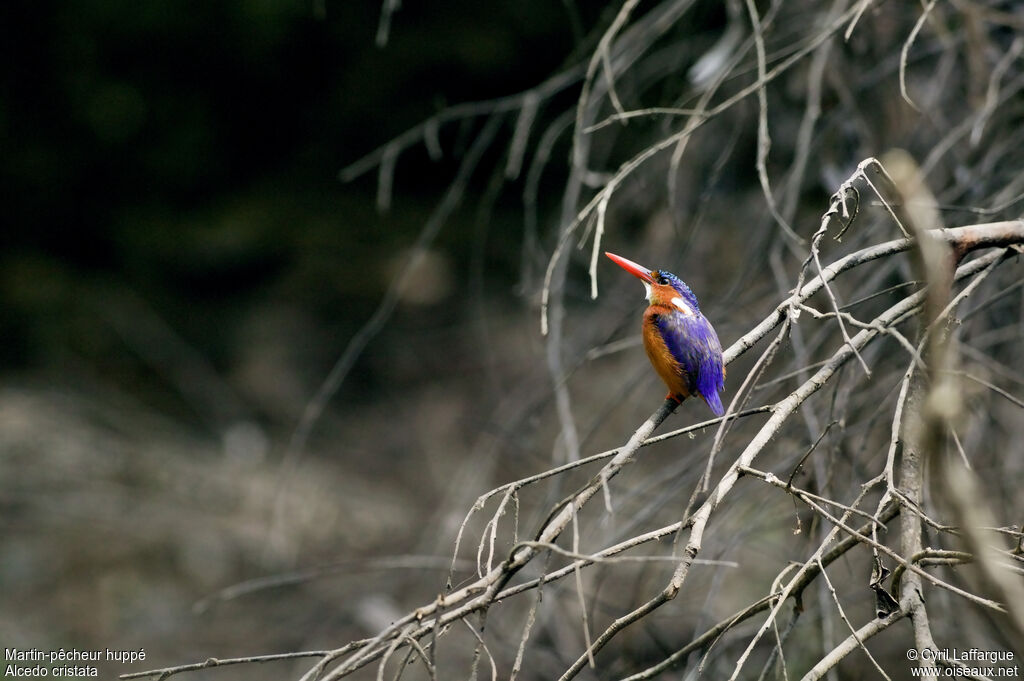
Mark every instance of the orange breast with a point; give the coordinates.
(661, 358)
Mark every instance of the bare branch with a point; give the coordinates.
(851, 643)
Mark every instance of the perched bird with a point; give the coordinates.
(680, 342)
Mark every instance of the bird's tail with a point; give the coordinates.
(715, 403)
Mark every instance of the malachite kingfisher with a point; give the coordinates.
(680, 342)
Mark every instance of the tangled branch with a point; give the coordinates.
(845, 449)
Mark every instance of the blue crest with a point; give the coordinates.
(679, 285)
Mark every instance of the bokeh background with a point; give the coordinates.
(181, 267)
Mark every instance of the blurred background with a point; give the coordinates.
(182, 266)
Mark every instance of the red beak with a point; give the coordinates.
(636, 270)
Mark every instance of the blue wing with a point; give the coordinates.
(694, 344)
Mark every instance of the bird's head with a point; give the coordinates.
(663, 288)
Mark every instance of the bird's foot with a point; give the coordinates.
(678, 399)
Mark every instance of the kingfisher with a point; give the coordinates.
(680, 342)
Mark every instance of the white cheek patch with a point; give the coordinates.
(647, 290)
(681, 304)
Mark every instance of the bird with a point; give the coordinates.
(680, 342)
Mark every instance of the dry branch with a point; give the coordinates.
(808, 312)
(481, 594)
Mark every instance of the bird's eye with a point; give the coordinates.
(662, 279)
